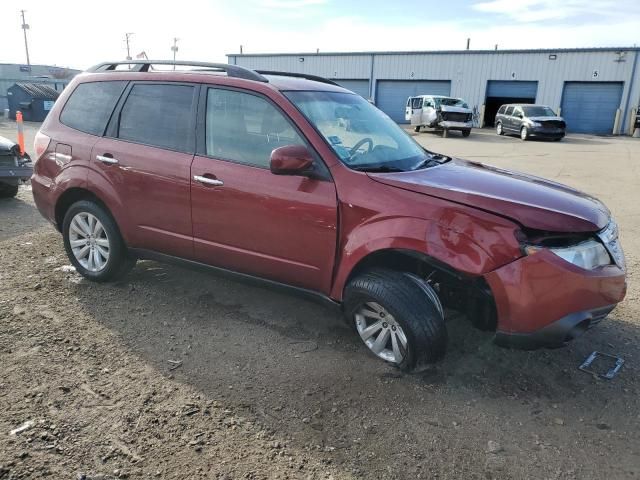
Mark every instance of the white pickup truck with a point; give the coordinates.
(439, 112)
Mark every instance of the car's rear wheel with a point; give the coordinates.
(499, 129)
(557, 139)
(8, 191)
(398, 317)
(524, 133)
(466, 133)
(416, 129)
(445, 133)
(94, 244)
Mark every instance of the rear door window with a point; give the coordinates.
(159, 115)
(90, 106)
(509, 111)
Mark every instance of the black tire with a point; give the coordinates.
(8, 191)
(120, 261)
(414, 306)
(466, 133)
(499, 128)
(557, 139)
(524, 134)
(416, 129)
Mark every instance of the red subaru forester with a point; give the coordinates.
(296, 181)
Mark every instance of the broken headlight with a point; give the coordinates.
(585, 251)
(589, 254)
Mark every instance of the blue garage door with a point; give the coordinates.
(591, 107)
(512, 89)
(391, 95)
(361, 87)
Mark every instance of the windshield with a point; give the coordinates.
(362, 136)
(451, 102)
(538, 112)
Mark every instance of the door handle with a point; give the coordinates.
(207, 180)
(105, 159)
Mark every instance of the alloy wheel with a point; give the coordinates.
(89, 241)
(381, 332)
(524, 133)
(499, 129)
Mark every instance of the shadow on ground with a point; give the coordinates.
(300, 370)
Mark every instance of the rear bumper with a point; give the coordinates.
(15, 174)
(43, 196)
(544, 301)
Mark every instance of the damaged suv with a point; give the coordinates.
(441, 113)
(259, 175)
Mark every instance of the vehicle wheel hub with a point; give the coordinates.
(89, 241)
(385, 338)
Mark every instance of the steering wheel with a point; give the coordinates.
(357, 146)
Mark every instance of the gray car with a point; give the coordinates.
(14, 168)
(528, 121)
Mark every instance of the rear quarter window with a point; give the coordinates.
(509, 111)
(90, 105)
(502, 109)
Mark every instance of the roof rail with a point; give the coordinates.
(235, 71)
(315, 78)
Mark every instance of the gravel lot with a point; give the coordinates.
(176, 374)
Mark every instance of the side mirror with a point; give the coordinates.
(291, 160)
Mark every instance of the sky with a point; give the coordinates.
(78, 34)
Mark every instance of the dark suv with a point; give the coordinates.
(530, 121)
(259, 174)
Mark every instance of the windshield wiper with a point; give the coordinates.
(378, 169)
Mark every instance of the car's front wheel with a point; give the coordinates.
(466, 133)
(398, 317)
(524, 133)
(94, 244)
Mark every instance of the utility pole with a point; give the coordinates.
(127, 36)
(25, 27)
(174, 49)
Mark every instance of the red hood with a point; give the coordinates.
(531, 201)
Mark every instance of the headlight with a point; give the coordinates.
(534, 124)
(589, 254)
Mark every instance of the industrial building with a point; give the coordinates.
(11, 73)
(596, 90)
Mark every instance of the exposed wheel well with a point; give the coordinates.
(70, 197)
(470, 295)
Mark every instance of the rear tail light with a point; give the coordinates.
(40, 144)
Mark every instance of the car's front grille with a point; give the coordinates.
(553, 124)
(456, 116)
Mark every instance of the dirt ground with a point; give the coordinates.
(176, 374)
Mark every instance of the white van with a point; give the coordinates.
(439, 112)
